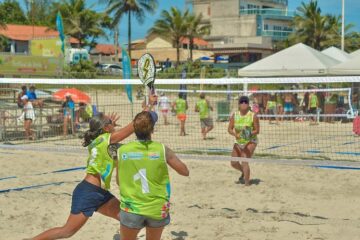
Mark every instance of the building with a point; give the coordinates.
(20, 37)
(244, 30)
(164, 50)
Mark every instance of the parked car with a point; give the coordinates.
(112, 69)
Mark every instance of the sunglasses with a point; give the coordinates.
(108, 122)
(244, 102)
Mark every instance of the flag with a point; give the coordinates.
(60, 28)
(126, 62)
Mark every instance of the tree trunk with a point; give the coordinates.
(177, 52)
(116, 42)
(191, 42)
(129, 35)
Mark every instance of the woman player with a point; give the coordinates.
(89, 195)
(144, 181)
(246, 125)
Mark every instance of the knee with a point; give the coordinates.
(234, 164)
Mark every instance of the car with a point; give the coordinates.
(112, 69)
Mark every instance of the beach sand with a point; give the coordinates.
(289, 202)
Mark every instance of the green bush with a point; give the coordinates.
(83, 69)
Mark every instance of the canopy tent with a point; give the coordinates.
(355, 53)
(297, 60)
(350, 67)
(337, 54)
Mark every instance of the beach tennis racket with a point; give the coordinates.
(147, 71)
(246, 133)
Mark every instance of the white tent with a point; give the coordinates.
(355, 53)
(350, 67)
(297, 60)
(337, 54)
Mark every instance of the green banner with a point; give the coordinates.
(30, 65)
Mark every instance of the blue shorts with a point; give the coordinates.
(288, 107)
(135, 221)
(88, 198)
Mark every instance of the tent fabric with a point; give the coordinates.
(350, 67)
(355, 53)
(297, 60)
(337, 54)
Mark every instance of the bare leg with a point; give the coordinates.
(182, 128)
(128, 233)
(208, 129)
(154, 233)
(73, 224)
(236, 153)
(65, 125)
(247, 153)
(203, 133)
(111, 209)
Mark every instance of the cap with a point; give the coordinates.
(25, 97)
(243, 99)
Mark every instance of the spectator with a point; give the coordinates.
(33, 98)
(164, 106)
(271, 109)
(69, 114)
(313, 106)
(29, 117)
(330, 105)
(85, 113)
(22, 93)
(289, 103)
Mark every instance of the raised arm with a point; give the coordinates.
(175, 163)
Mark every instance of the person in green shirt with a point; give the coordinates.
(92, 194)
(313, 106)
(271, 109)
(180, 106)
(244, 125)
(144, 181)
(203, 107)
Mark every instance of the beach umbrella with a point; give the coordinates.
(76, 95)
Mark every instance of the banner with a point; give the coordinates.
(126, 63)
(60, 28)
(46, 47)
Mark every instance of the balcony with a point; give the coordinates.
(269, 12)
(276, 34)
(283, 2)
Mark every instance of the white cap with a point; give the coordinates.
(24, 97)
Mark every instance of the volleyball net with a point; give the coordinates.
(299, 120)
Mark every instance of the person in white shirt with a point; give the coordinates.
(29, 117)
(164, 106)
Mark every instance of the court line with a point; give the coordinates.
(337, 167)
(36, 186)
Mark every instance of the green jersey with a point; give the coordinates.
(99, 160)
(271, 104)
(203, 108)
(313, 101)
(244, 125)
(144, 179)
(180, 106)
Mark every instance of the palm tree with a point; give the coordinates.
(172, 25)
(196, 29)
(80, 22)
(314, 29)
(138, 8)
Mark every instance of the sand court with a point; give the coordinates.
(286, 202)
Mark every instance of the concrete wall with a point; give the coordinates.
(158, 43)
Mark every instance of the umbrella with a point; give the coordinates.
(76, 95)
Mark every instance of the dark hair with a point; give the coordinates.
(202, 95)
(96, 125)
(23, 87)
(143, 125)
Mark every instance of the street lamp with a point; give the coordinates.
(343, 26)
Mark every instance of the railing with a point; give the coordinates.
(277, 34)
(284, 2)
(268, 12)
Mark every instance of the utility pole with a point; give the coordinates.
(343, 26)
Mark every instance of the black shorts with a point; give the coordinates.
(313, 110)
(88, 198)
